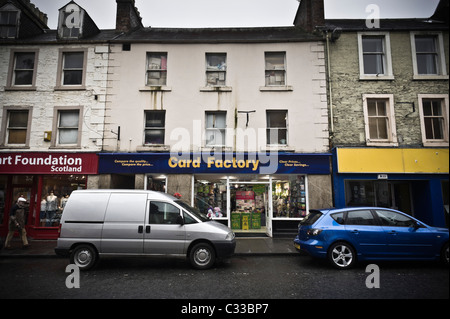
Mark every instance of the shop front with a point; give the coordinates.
(253, 194)
(46, 181)
(414, 181)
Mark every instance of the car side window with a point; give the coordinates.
(338, 217)
(394, 219)
(360, 217)
(163, 213)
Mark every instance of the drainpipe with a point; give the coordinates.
(330, 96)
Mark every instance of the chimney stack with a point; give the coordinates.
(310, 14)
(128, 16)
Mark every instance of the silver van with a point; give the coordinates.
(129, 223)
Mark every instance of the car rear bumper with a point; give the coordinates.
(312, 247)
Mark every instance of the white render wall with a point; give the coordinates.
(46, 98)
(186, 100)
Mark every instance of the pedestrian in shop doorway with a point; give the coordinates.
(17, 222)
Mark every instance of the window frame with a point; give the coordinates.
(56, 119)
(160, 70)
(209, 70)
(8, 8)
(222, 130)
(445, 111)
(441, 67)
(60, 74)
(286, 128)
(12, 70)
(390, 114)
(165, 221)
(267, 55)
(387, 57)
(5, 126)
(155, 128)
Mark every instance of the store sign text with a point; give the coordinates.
(212, 162)
(48, 163)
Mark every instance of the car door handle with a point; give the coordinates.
(392, 232)
(140, 229)
(147, 229)
(355, 231)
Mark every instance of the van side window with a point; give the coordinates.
(188, 219)
(163, 213)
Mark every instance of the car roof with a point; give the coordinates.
(151, 194)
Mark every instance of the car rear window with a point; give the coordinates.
(312, 217)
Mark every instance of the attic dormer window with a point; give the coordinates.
(70, 26)
(8, 24)
(70, 21)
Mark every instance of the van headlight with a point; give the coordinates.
(230, 236)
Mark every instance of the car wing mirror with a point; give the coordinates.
(180, 220)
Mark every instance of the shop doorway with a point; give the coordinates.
(250, 208)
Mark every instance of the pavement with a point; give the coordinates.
(256, 246)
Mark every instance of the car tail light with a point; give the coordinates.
(314, 232)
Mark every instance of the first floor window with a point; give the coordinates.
(24, 67)
(68, 126)
(434, 119)
(215, 128)
(379, 119)
(155, 122)
(17, 127)
(277, 128)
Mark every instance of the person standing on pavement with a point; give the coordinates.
(17, 222)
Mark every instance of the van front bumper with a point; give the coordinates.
(225, 249)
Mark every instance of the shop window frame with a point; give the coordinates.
(444, 101)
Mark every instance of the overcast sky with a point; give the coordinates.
(234, 13)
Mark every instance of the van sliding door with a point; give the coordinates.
(123, 227)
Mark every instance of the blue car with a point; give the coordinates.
(347, 235)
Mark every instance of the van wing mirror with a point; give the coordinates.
(180, 220)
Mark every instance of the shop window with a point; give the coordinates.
(375, 56)
(277, 132)
(155, 122)
(275, 68)
(215, 128)
(68, 127)
(434, 119)
(216, 69)
(380, 120)
(56, 191)
(157, 68)
(290, 197)
(17, 131)
(428, 55)
(210, 197)
(3, 184)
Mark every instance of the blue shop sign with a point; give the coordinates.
(205, 163)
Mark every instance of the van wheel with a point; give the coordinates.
(84, 256)
(202, 256)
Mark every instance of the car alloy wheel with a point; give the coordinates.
(342, 255)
